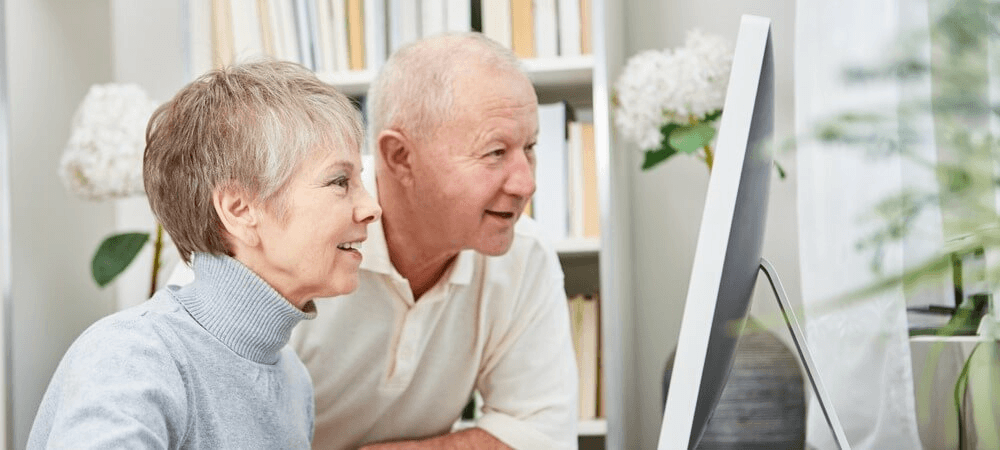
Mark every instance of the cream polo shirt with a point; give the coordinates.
(387, 368)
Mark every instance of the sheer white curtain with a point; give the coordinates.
(860, 347)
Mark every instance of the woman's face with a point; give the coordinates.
(313, 250)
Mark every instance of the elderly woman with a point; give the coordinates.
(253, 170)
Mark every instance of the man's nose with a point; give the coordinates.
(521, 181)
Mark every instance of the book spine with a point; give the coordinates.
(522, 28)
(496, 21)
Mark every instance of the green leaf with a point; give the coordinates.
(985, 376)
(690, 138)
(114, 254)
(654, 157)
(712, 116)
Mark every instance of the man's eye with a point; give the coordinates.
(497, 153)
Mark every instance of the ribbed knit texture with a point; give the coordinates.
(255, 324)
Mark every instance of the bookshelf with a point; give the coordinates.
(597, 264)
(545, 73)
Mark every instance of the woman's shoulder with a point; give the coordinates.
(143, 329)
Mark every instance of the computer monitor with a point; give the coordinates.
(728, 253)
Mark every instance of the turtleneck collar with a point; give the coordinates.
(239, 308)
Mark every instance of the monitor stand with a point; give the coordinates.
(798, 337)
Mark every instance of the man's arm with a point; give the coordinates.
(528, 377)
(471, 438)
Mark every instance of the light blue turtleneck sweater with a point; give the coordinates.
(204, 366)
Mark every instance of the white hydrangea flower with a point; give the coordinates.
(658, 87)
(103, 157)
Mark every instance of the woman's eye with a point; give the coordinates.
(339, 181)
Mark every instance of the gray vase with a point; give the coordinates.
(763, 403)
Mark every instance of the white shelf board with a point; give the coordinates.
(592, 427)
(543, 72)
(578, 246)
(561, 71)
(351, 84)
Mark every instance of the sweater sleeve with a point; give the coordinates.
(529, 379)
(118, 386)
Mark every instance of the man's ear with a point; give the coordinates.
(238, 215)
(397, 154)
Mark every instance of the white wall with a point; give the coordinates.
(5, 433)
(668, 199)
(147, 49)
(55, 50)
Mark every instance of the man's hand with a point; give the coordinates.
(472, 438)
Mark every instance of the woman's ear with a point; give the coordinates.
(397, 154)
(238, 215)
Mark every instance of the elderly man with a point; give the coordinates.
(455, 292)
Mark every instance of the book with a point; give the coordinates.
(591, 209)
(584, 326)
(458, 15)
(404, 23)
(341, 51)
(303, 32)
(282, 22)
(546, 29)
(522, 28)
(375, 23)
(574, 177)
(551, 193)
(246, 29)
(569, 27)
(496, 21)
(585, 26)
(223, 52)
(266, 26)
(432, 17)
(355, 35)
(325, 55)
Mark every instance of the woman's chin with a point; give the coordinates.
(343, 287)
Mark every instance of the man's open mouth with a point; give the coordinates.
(501, 214)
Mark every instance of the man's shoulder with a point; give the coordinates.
(530, 252)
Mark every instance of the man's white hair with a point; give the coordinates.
(413, 91)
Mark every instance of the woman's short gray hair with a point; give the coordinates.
(413, 90)
(248, 127)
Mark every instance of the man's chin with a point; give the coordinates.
(496, 246)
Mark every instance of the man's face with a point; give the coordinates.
(476, 173)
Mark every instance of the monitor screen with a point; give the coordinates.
(728, 252)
